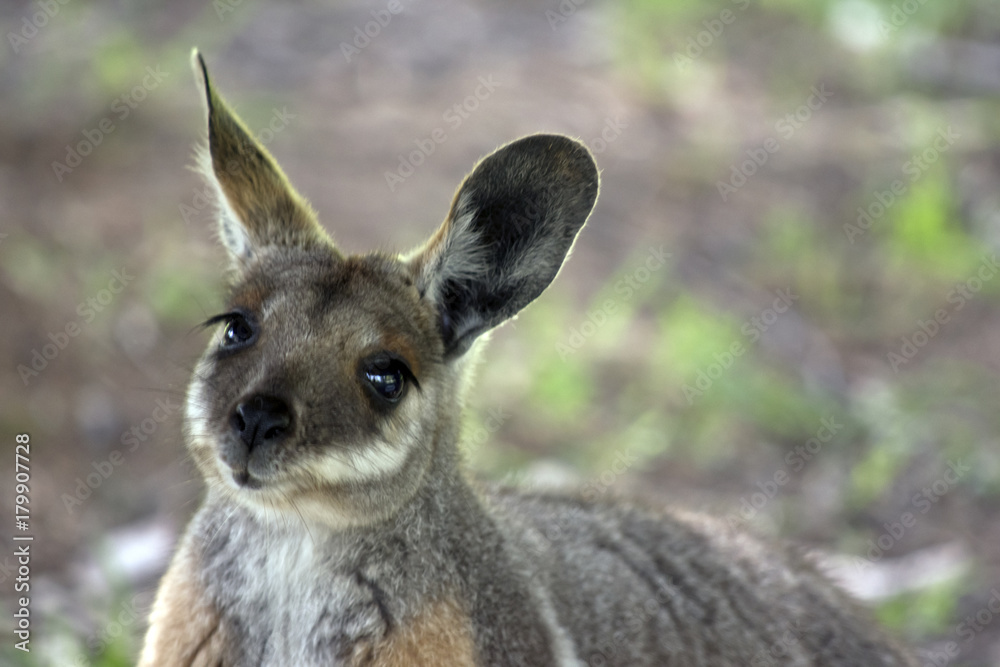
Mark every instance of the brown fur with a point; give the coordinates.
(254, 186)
(339, 526)
(185, 628)
(441, 634)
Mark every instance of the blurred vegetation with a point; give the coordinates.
(868, 295)
(656, 376)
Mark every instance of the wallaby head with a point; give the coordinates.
(330, 393)
(331, 386)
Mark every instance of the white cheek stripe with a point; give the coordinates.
(362, 461)
(373, 460)
(193, 407)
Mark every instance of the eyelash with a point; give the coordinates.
(230, 319)
(223, 317)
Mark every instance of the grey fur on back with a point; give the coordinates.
(339, 525)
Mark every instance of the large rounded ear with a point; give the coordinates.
(511, 225)
(257, 205)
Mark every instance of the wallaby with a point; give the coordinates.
(339, 526)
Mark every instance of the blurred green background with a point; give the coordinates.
(784, 309)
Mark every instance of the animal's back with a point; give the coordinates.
(339, 525)
(633, 586)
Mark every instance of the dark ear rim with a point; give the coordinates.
(512, 223)
(219, 113)
(258, 205)
(201, 74)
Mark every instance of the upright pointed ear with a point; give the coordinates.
(257, 205)
(511, 225)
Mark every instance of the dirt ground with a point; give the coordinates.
(817, 358)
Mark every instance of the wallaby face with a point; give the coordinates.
(330, 376)
(288, 418)
(338, 527)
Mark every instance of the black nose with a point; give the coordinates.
(260, 420)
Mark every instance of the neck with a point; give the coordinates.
(429, 486)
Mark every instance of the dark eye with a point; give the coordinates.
(387, 376)
(237, 332)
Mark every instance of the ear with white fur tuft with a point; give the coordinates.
(511, 225)
(259, 208)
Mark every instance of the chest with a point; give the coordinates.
(286, 598)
